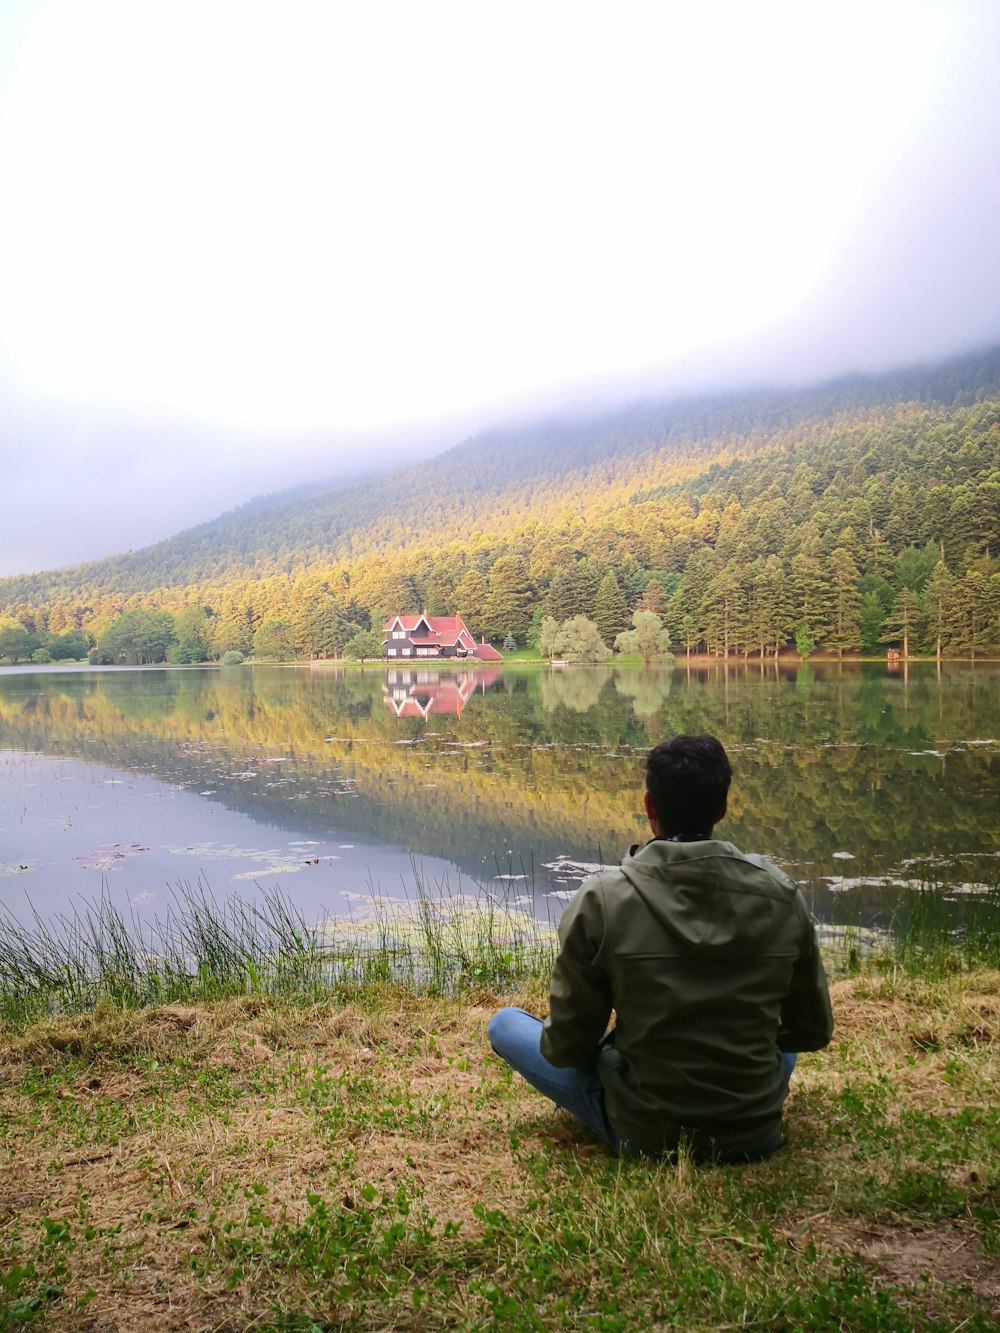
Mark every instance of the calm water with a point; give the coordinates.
(335, 785)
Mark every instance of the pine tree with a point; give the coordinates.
(811, 592)
(232, 630)
(610, 609)
(573, 590)
(686, 610)
(904, 619)
(914, 567)
(939, 596)
(724, 612)
(470, 600)
(685, 626)
(771, 620)
(972, 609)
(507, 609)
(439, 592)
(878, 562)
(845, 602)
(873, 621)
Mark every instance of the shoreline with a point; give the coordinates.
(680, 661)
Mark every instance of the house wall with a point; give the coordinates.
(405, 644)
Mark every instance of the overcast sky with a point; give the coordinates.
(245, 245)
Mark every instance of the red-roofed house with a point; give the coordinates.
(437, 637)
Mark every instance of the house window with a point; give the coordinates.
(399, 633)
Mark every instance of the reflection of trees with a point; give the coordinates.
(577, 690)
(879, 723)
(648, 689)
(550, 762)
(144, 696)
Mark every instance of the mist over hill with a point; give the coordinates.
(335, 520)
(832, 485)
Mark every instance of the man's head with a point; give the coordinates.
(687, 783)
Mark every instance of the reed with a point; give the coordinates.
(924, 928)
(434, 940)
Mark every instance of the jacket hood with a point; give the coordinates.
(720, 901)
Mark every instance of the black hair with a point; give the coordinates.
(688, 781)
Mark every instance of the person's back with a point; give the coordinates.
(703, 950)
(708, 959)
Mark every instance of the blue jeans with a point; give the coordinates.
(516, 1035)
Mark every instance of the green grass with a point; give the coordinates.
(256, 1163)
(924, 928)
(235, 1119)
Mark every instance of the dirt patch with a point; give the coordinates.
(910, 1257)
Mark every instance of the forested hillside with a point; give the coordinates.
(862, 513)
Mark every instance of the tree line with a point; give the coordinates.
(842, 521)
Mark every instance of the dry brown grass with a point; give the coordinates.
(154, 1131)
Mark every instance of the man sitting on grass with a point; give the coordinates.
(708, 958)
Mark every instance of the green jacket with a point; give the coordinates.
(708, 957)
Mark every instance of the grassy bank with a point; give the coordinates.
(433, 942)
(336, 1147)
(258, 1164)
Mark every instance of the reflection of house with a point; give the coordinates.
(434, 636)
(420, 693)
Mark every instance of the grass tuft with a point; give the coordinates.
(434, 941)
(921, 928)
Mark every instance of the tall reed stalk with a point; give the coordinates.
(433, 940)
(925, 928)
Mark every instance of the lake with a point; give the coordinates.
(343, 784)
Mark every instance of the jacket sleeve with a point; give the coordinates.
(806, 1016)
(579, 994)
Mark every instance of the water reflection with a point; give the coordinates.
(842, 773)
(420, 693)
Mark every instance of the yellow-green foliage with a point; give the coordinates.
(753, 516)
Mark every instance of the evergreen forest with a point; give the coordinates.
(858, 517)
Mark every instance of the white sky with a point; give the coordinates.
(242, 242)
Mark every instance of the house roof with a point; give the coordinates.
(445, 631)
(439, 624)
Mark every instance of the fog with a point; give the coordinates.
(279, 254)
